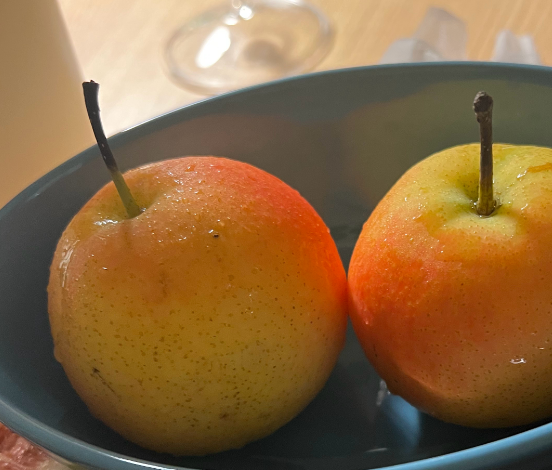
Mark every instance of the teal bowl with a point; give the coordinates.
(342, 138)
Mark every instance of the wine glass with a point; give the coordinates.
(246, 42)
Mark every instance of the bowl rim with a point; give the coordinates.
(64, 447)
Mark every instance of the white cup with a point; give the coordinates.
(43, 120)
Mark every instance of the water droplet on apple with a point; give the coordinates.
(383, 393)
(64, 263)
(519, 360)
(105, 222)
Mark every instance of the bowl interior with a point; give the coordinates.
(342, 139)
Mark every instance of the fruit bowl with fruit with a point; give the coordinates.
(264, 288)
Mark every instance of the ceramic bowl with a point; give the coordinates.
(342, 138)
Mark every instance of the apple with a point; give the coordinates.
(454, 308)
(207, 321)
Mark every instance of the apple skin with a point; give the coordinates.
(454, 310)
(208, 321)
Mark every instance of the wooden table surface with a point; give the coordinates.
(119, 42)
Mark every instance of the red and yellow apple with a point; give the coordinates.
(454, 310)
(209, 320)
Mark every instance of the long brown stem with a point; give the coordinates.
(91, 89)
(483, 107)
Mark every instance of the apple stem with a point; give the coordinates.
(483, 107)
(90, 90)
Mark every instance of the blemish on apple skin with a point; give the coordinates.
(96, 373)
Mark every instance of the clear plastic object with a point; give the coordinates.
(515, 49)
(245, 42)
(440, 36)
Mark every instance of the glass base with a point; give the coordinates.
(247, 42)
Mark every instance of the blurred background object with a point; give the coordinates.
(441, 36)
(245, 42)
(516, 49)
(43, 120)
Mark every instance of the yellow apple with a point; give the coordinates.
(209, 320)
(453, 309)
